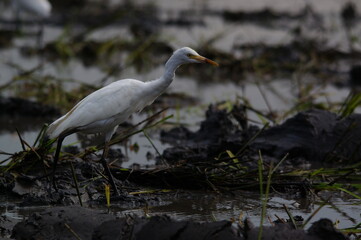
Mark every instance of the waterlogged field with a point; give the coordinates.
(277, 59)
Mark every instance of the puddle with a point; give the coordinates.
(203, 207)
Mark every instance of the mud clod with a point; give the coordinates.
(220, 131)
(314, 136)
(322, 229)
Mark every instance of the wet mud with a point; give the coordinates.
(315, 136)
(198, 160)
(312, 136)
(84, 223)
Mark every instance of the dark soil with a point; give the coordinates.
(316, 136)
(18, 106)
(84, 223)
(220, 131)
(313, 136)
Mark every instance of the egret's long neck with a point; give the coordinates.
(161, 84)
(171, 65)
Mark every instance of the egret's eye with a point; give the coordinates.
(189, 55)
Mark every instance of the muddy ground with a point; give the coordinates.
(310, 137)
(83, 223)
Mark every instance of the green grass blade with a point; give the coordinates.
(347, 191)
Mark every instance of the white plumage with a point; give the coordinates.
(103, 110)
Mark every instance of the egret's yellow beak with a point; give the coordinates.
(204, 60)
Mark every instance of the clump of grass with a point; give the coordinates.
(229, 172)
(352, 101)
(31, 155)
(264, 195)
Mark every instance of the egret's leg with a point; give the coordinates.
(106, 168)
(56, 158)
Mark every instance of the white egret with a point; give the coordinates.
(103, 110)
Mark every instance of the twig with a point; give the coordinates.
(248, 107)
(123, 137)
(343, 213)
(32, 149)
(21, 139)
(76, 183)
(264, 97)
(280, 219)
(119, 139)
(156, 149)
(341, 177)
(290, 216)
(6, 160)
(72, 231)
(40, 135)
(315, 212)
(5, 153)
(252, 139)
(279, 163)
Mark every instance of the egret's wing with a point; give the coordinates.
(116, 99)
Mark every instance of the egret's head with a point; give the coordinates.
(188, 55)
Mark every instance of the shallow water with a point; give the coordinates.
(208, 207)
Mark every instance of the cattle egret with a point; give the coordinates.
(103, 110)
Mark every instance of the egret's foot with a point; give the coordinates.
(114, 187)
(109, 175)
